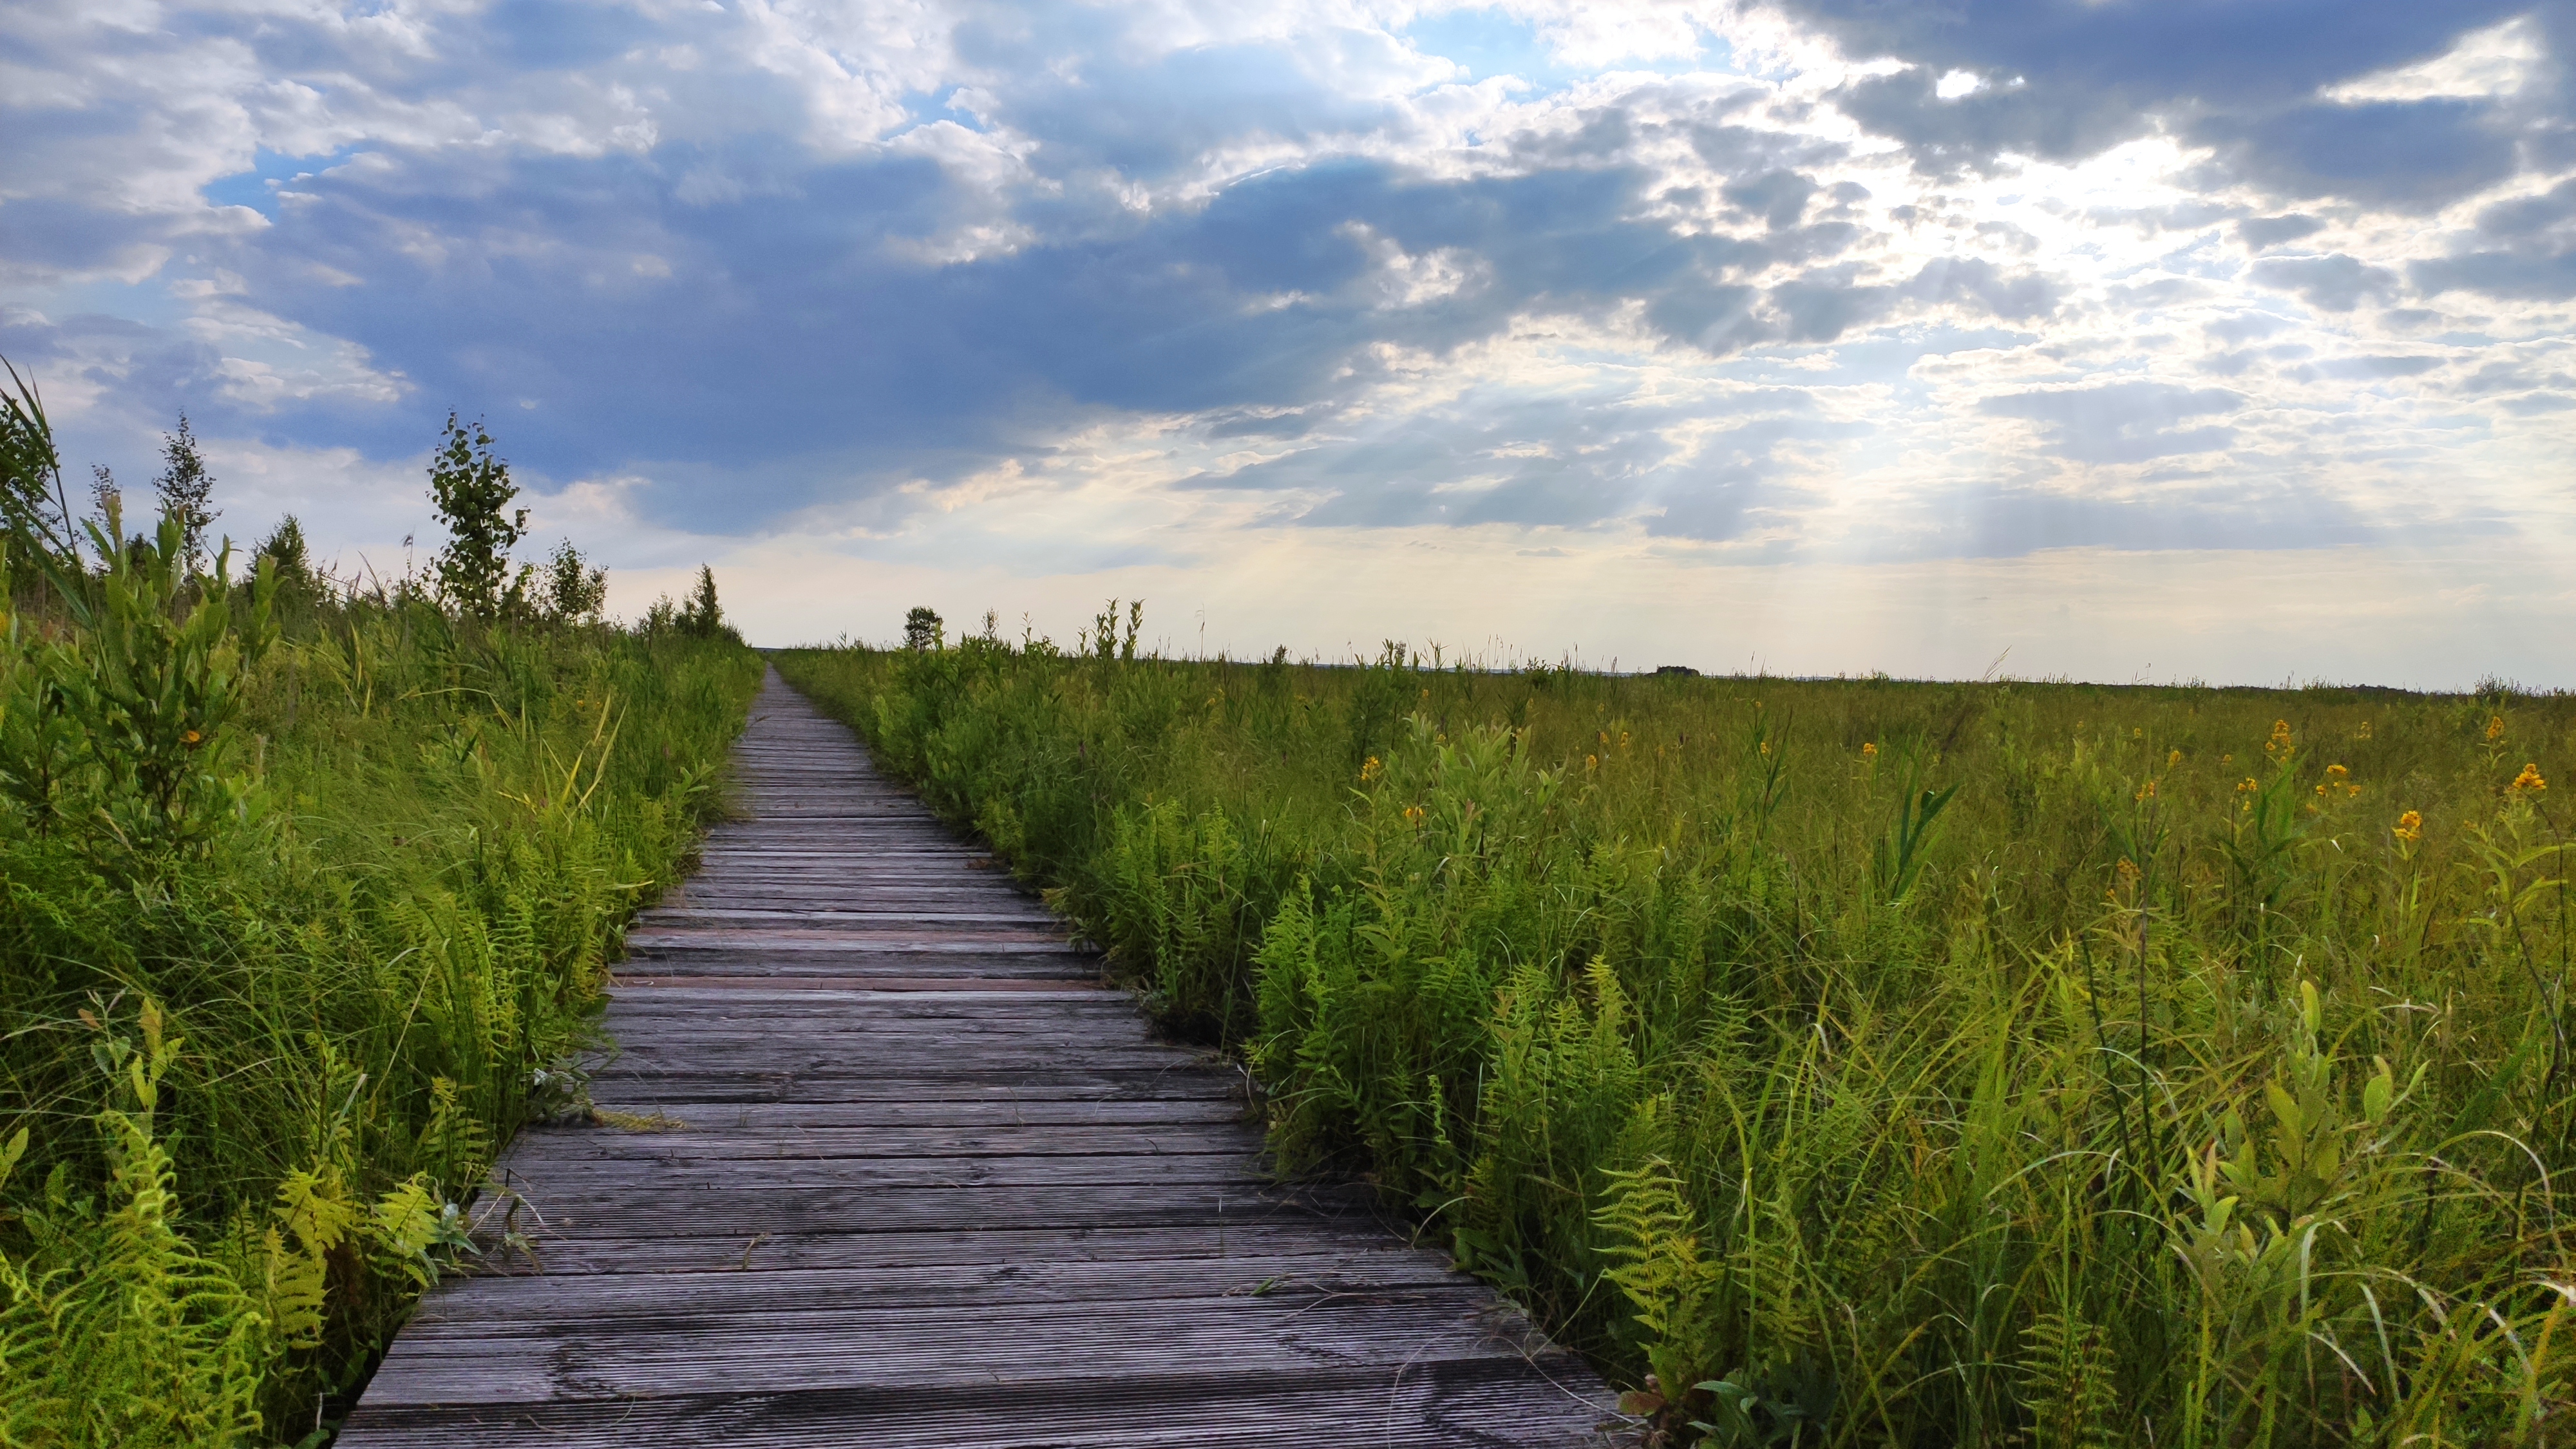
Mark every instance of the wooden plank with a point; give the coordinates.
(826, 979)
(560, 1252)
(876, 1160)
(940, 1347)
(921, 1114)
(1494, 1403)
(723, 1140)
(599, 1297)
(798, 1185)
(786, 965)
(1159, 1083)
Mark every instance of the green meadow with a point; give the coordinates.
(307, 894)
(1859, 1061)
(1847, 1062)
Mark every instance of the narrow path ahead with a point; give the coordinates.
(881, 1164)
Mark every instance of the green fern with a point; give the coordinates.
(134, 1339)
(454, 1147)
(2069, 1383)
(1665, 1276)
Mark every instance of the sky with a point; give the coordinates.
(2121, 340)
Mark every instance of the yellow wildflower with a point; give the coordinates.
(1869, 751)
(2336, 772)
(2530, 780)
(2146, 791)
(1592, 762)
(2495, 729)
(2409, 827)
(2172, 758)
(190, 739)
(1415, 814)
(1371, 770)
(2248, 785)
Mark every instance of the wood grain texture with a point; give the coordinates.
(876, 1160)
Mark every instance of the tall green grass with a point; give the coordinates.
(1860, 1062)
(306, 901)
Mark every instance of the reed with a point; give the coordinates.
(1859, 1062)
(307, 895)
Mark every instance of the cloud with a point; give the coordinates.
(2337, 283)
(1053, 288)
(2271, 231)
(2065, 81)
(2122, 422)
(2522, 246)
(2007, 522)
(2396, 155)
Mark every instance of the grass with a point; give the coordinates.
(1859, 1062)
(301, 914)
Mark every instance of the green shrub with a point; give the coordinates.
(302, 912)
(1860, 1062)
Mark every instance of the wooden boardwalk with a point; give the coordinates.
(881, 1163)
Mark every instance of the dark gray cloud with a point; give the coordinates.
(2271, 231)
(2398, 155)
(1740, 478)
(2521, 248)
(2337, 283)
(2006, 522)
(2377, 366)
(1491, 456)
(2064, 79)
(2122, 422)
(615, 311)
(2246, 326)
(1778, 197)
(1498, 454)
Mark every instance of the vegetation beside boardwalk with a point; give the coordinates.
(1859, 1062)
(306, 895)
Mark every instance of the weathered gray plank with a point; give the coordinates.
(600, 1297)
(1489, 1402)
(568, 1251)
(876, 1160)
(926, 1114)
(943, 1346)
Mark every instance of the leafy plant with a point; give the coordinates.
(471, 491)
(922, 629)
(153, 682)
(1900, 856)
(373, 857)
(574, 592)
(701, 615)
(2085, 1097)
(186, 490)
